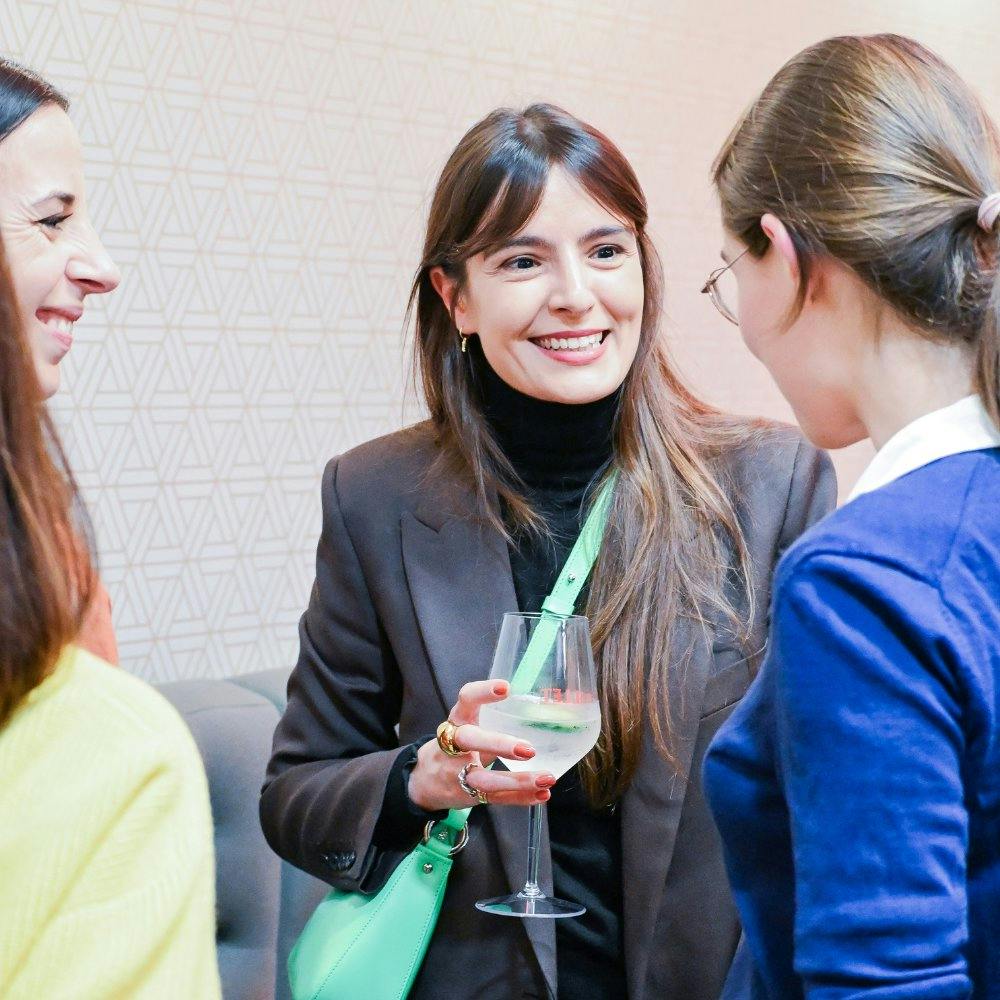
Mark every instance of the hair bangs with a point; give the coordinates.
(512, 188)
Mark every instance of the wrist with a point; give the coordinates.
(415, 790)
(401, 821)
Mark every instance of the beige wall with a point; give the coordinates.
(261, 170)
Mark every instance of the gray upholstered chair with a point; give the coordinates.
(262, 902)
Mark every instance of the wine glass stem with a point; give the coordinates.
(534, 839)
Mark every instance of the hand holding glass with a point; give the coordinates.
(553, 706)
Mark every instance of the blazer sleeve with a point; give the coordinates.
(869, 705)
(336, 744)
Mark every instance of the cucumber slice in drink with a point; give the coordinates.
(557, 727)
(552, 719)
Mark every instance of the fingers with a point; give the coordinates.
(434, 783)
(472, 739)
(506, 788)
(473, 695)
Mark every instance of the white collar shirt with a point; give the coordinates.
(961, 427)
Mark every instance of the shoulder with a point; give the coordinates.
(387, 471)
(847, 617)
(911, 526)
(404, 453)
(870, 626)
(779, 484)
(766, 457)
(104, 748)
(861, 590)
(113, 721)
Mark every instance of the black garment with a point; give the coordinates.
(559, 451)
(401, 822)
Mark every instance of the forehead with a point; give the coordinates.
(42, 154)
(567, 207)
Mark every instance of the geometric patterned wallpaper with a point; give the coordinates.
(260, 170)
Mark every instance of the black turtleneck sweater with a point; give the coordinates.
(559, 451)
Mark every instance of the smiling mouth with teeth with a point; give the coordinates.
(60, 324)
(571, 343)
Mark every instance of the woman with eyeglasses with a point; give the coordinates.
(537, 306)
(857, 786)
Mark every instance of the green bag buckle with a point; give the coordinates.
(447, 837)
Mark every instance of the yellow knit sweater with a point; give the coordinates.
(106, 868)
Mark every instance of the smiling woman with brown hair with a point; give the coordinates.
(537, 308)
(106, 843)
(106, 838)
(55, 257)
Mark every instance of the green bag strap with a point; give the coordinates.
(562, 601)
(446, 835)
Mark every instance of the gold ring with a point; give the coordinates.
(446, 738)
(473, 793)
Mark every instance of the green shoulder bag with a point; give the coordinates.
(372, 945)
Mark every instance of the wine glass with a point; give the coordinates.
(553, 705)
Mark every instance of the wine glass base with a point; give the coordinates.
(524, 906)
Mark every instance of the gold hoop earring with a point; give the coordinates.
(464, 339)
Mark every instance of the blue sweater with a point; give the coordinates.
(857, 786)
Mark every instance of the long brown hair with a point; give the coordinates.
(673, 539)
(46, 575)
(872, 150)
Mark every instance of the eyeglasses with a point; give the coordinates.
(721, 289)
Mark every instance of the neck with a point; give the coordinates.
(560, 446)
(904, 376)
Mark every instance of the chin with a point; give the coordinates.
(831, 436)
(581, 392)
(584, 385)
(48, 379)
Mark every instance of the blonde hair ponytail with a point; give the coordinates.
(873, 151)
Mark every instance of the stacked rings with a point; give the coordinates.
(463, 780)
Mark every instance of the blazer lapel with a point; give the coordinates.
(651, 807)
(460, 581)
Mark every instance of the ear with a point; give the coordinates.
(781, 241)
(446, 287)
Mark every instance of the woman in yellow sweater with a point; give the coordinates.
(106, 869)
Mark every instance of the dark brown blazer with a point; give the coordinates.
(408, 597)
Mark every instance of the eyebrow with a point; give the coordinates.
(65, 197)
(536, 242)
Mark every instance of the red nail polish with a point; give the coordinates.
(543, 796)
(500, 688)
(523, 752)
(545, 781)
